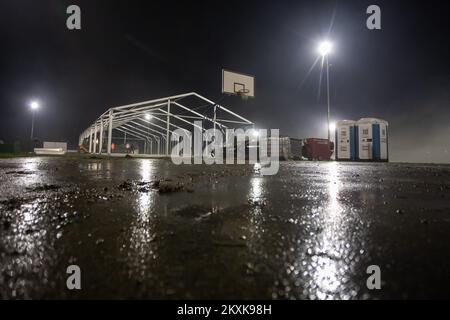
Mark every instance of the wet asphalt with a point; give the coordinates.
(146, 228)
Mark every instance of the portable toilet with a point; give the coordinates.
(372, 139)
(345, 141)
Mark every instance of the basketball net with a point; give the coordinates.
(243, 93)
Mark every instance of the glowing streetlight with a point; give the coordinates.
(332, 126)
(324, 49)
(34, 105)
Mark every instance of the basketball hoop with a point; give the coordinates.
(239, 84)
(243, 93)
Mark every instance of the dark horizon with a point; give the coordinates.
(136, 51)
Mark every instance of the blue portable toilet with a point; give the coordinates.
(345, 140)
(372, 139)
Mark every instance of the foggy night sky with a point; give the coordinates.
(130, 51)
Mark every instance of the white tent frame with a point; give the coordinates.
(130, 120)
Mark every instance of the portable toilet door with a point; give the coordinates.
(365, 139)
(345, 140)
(372, 139)
(383, 137)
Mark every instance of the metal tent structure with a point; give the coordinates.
(150, 124)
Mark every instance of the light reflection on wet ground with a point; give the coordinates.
(150, 229)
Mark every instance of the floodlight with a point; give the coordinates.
(325, 48)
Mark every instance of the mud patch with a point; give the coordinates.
(20, 172)
(44, 187)
(126, 186)
(194, 212)
(163, 186)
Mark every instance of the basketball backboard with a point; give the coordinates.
(238, 84)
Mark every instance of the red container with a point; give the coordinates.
(317, 149)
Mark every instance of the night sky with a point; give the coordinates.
(130, 51)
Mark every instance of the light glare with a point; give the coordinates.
(325, 48)
(332, 126)
(34, 105)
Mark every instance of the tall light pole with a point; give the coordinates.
(34, 105)
(324, 49)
